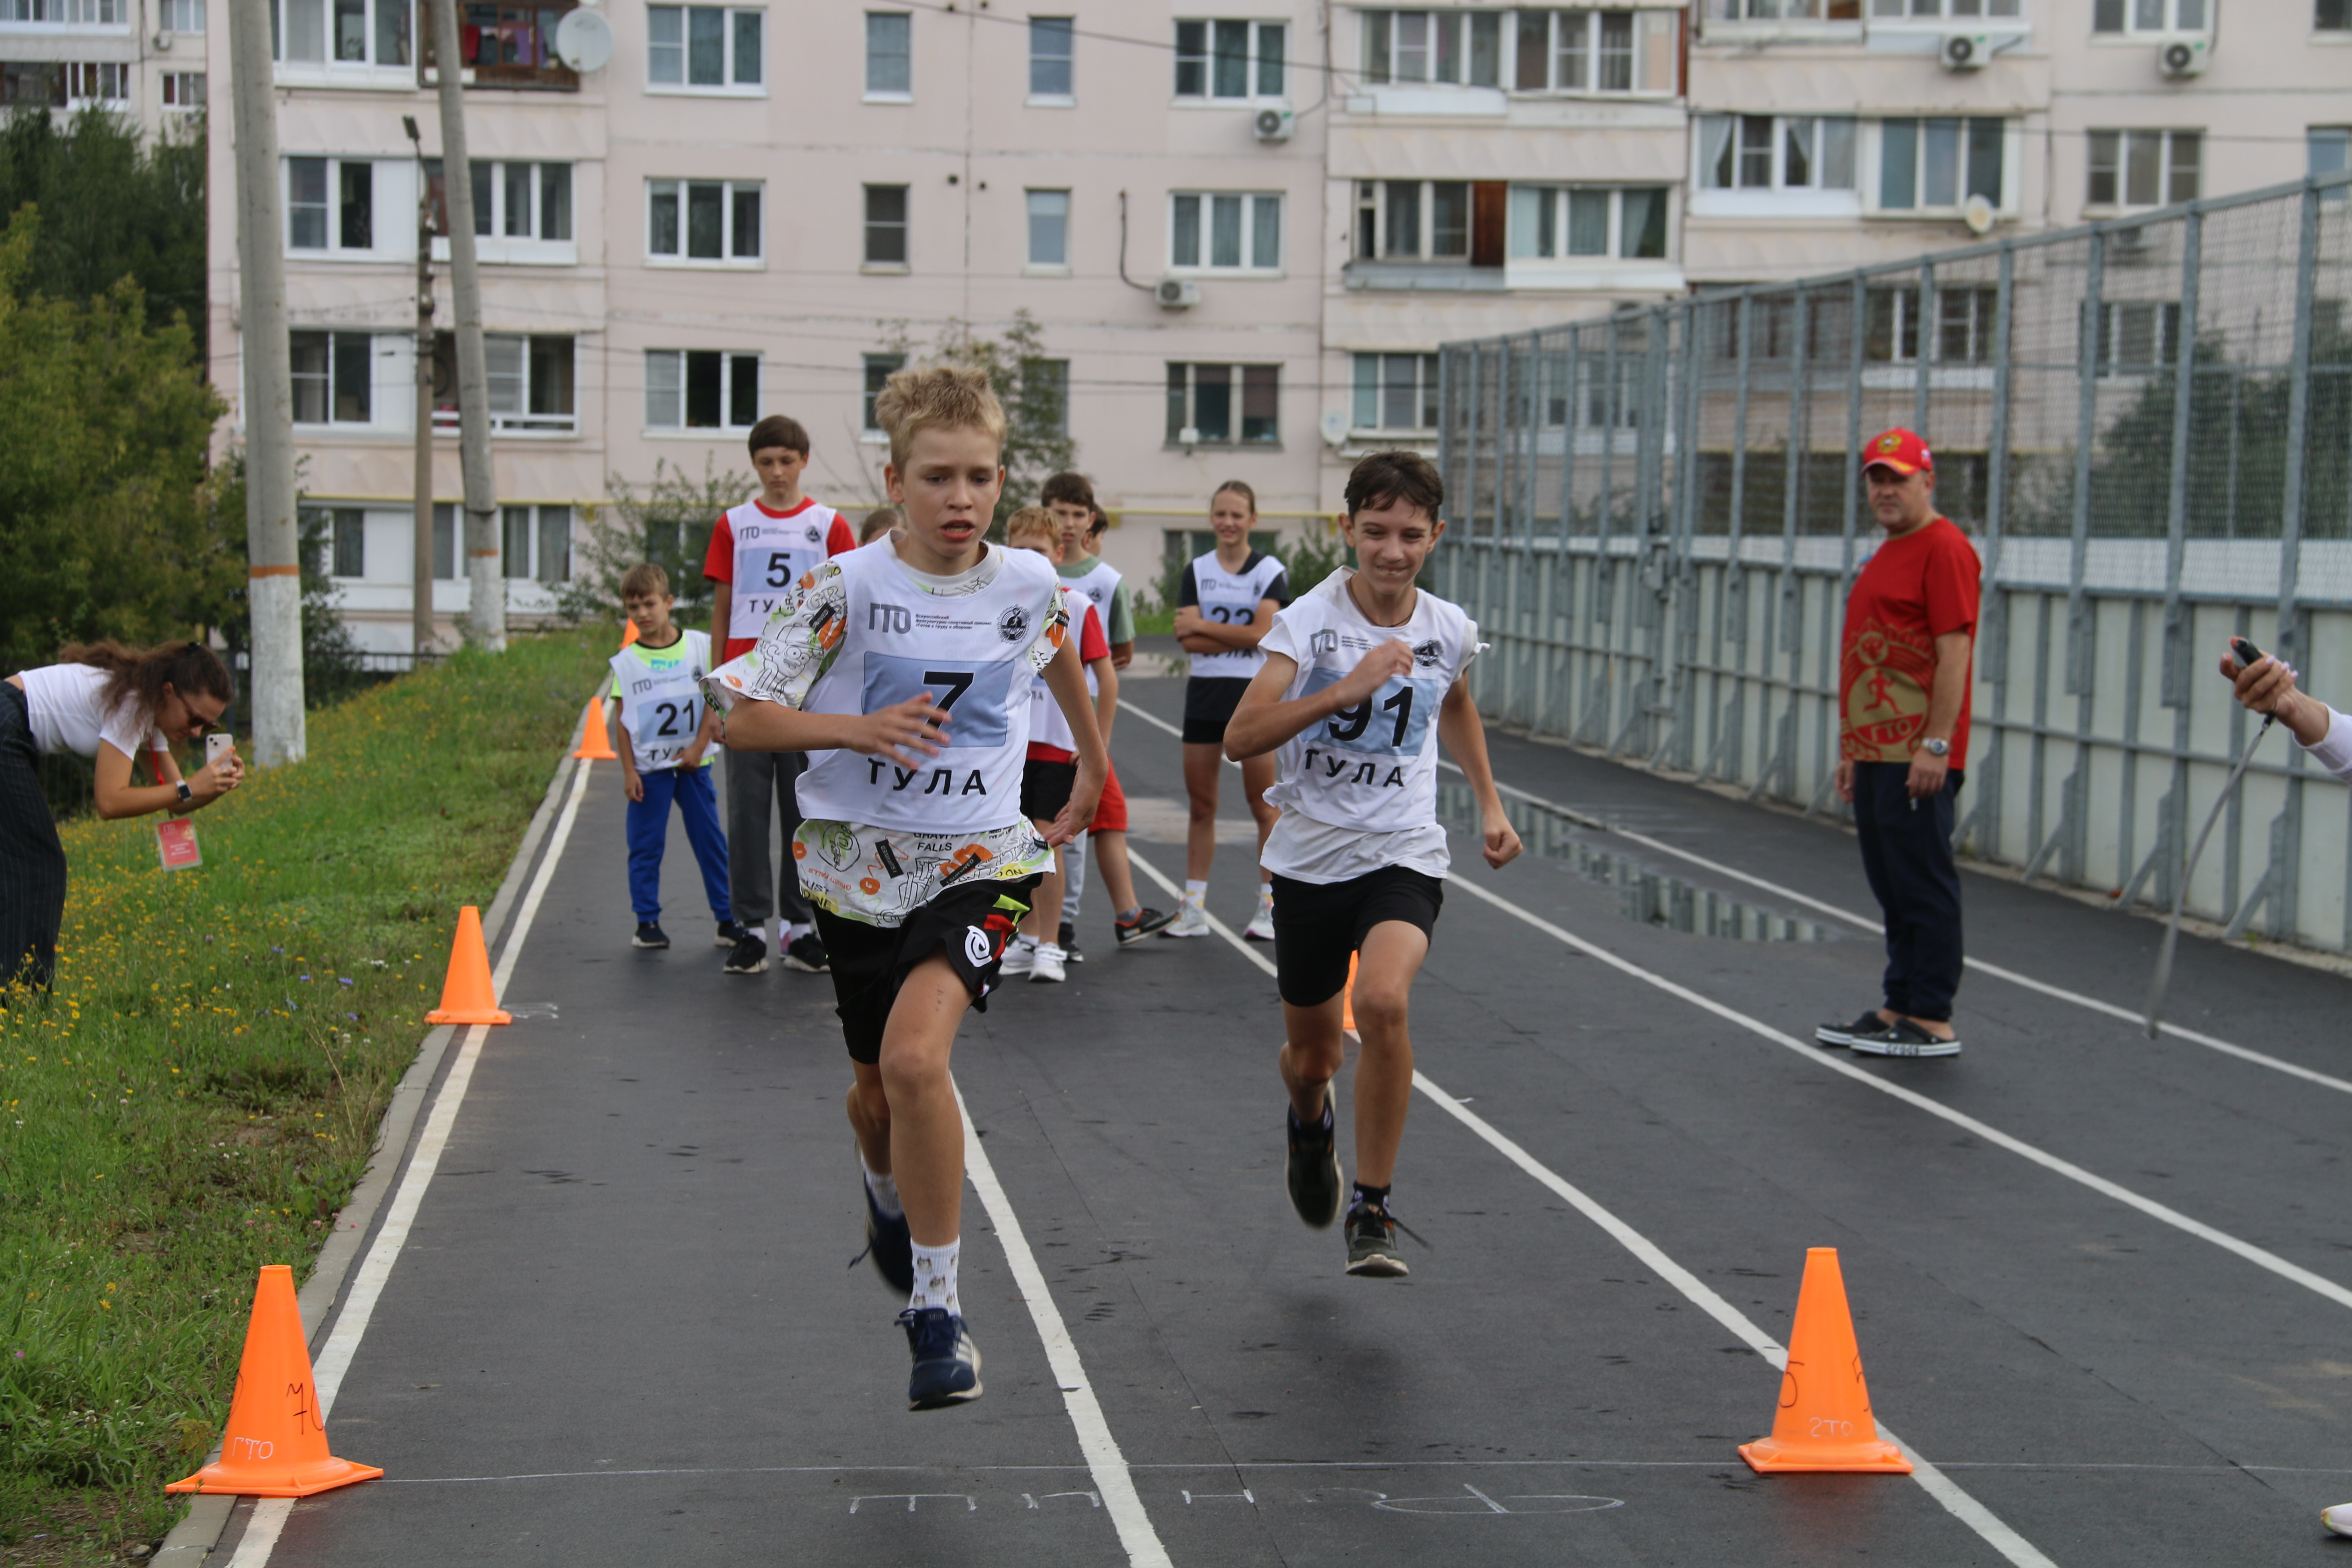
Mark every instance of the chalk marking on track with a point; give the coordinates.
(368, 1281)
(1955, 1501)
(1104, 1462)
(2260, 1257)
(2260, 1059)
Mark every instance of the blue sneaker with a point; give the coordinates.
(947, 1363)
(890, 1245)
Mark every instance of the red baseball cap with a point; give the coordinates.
(1903, 450)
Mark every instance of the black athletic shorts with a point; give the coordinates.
(970, 924)
(1209, 704)
(1045, 788)
(1317, 925)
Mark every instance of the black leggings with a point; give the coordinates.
(32, 861)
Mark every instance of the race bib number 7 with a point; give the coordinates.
(975, 695)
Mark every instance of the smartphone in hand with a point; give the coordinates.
(216, 746)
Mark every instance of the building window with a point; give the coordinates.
(2137, 337)
(2143, 168)
(1413, 220)
(1934, 165)
(511, 201)
(703, 49)
(97, 83)
(2332, 16)
(1229, 59)
(1768, 153)
(30, 84)
(1461, 46)
(1795, 10)
(330, 205)
(1597, 51)
(712, 222)
(532, 384)
(1045, 400)
(885, 226)
(536, 543)
(1053, 46)
(1224, 231)
(879, 369)
(1958, 10)
(2155, 15)
(889, 56)
(70, 13)
(2330, 149)
(340, 32)
(1049, 228)
(1224, 405)
(1396, 392)
(184, 89)
(1570, 221)
(183, 16)
(333, 378)
(701, 389)
(1963, 335)
(350, 542)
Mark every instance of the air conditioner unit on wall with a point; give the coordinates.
(1272, 124)
(1964, 52)
(2183, 57)
(1177, 293)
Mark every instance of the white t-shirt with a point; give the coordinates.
(1359, 790)
(2333, 752)
(1232, 599)
(62, 702)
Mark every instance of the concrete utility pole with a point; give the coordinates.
(484, 572)
(420, 611)
(273, 571)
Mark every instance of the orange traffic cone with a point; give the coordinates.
(467, 996)
(1825, 1421)
(1348, 999)
(628, 631)
(276, 1446)
(595, 746)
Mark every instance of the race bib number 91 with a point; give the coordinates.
(1391, 723)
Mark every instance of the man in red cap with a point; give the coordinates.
(1903, 688)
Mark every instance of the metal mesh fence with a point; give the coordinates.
(2145, 426)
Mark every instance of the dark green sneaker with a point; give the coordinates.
(1372, 1245)
(1312, 1171)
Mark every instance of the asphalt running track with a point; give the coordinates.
(2100, 1282)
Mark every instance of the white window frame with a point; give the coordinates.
(866, 225)
(532, 521)
(1253, 61)
(1374, 195)
(1058, 267)
(679, 192)
(392, 197)
(874, 371)
(731, 82)
(509, 354)
(1069, 61)
(494, 244)
(1652, 29)
(667, 373)
(1778, 197)
(1873, 164)
(1441, 40)
(1189, 426)
(889, 94)
(1372, 380)
(2158, 320)
(1950, 14)
(338, 343)
(1252, 206)
(181, 16)
(1527, 218)
(98, 84)
(84, 16)
(1743, 18)
(178, 96)
(2129, 144)
(2172, 19)
(328, 71)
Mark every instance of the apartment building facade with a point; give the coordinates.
(1242, 236)
(143, 59)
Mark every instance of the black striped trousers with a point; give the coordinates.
(32, 861)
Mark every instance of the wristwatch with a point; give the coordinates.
(1936, 748)
(186, 795)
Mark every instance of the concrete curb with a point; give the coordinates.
(200, 1530)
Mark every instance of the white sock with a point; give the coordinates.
(884, 1188)
(934, 1277)
(1195, 892)
(797, 930)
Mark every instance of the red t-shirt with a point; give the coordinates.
(718, 560)
(1092, 646)
(1919, 587)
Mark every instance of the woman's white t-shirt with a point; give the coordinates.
(62, 702)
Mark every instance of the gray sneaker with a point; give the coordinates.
(1312, 1171)
(1372, 1244)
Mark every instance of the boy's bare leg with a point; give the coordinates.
(1257, 777)
(922, 1128)
(1044, 919)
(1392, 956)
(1312, 1053)
(1201, 765)
(1118, 877)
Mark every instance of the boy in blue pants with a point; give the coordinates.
(666, 732)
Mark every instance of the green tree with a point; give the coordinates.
(667, 522)
(111, 207)
(104, 527)
(1033, 386)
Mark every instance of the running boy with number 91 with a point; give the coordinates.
(903, 667)
(1362, 679)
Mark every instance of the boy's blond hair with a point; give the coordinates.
(879, 522)
(1033, 522)
(937, 397)
(644, 580)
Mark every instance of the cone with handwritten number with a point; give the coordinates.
(595, 746)
(1825, 1421)
(277, 1444)
(467, 996)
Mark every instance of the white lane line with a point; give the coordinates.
(1156, 722)
(2260, 1257)
(1113, 1481)
(2131, 1016)
(368, 1281)
(1955, 1501)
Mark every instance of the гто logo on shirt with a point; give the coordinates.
(1320, 643)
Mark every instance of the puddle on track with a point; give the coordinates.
(1645, 895)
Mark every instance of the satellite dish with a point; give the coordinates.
(1977, 215)
(1335, 427)
(584, 40)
